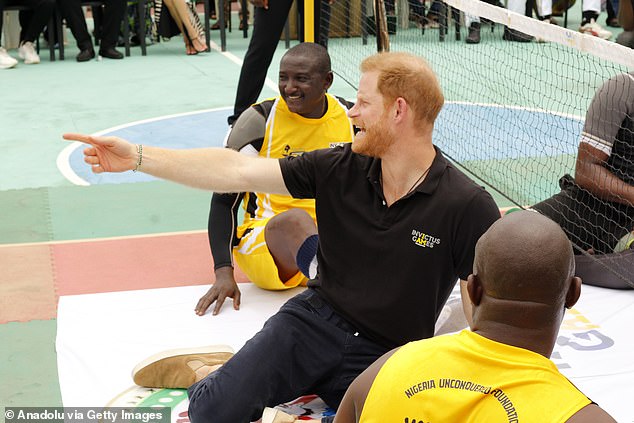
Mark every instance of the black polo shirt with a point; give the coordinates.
(389, 270)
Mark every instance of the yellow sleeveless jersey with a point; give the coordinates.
(289, 134)
(469, 378)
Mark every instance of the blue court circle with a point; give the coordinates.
(463, 131)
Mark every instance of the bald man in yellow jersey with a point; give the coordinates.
(522, 282)
(276, 244)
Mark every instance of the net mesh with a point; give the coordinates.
(514, 111)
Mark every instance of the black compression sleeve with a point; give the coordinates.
(221, 228)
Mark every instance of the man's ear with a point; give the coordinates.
(400, 106)
(474, 289)
(574, 291)
(329, 78)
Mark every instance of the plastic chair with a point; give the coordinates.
(222, 19)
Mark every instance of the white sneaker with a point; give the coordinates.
(625, 243)
(593, 28)
(6, 61)
(27, 52)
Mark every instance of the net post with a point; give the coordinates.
(309, 21)
(382, 37)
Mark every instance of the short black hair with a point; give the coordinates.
(314, 51)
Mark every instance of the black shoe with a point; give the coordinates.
(474, 33)
(550, 20)
(391, 24)
(86, 55)
(612, 22)
(515, 35)
(110, 53)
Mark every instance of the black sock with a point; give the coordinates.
(588, 15)
(307, 256)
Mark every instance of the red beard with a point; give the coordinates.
(377, 140)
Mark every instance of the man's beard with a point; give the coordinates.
(378, 139)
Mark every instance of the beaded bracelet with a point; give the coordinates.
(139, 150)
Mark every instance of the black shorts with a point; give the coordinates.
(589, 222)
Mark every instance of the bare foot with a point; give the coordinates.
(189, 49)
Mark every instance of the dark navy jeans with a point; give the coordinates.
(305, 348)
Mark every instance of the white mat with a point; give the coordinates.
(100, 337)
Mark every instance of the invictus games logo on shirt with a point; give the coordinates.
(287, 152)
(424, 240)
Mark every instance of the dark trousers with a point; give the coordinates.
(268, 25)
(606, 270)
(306, 348)
(589, 222)
(415, 7)
(112, 18)
(3, 4)
(32, 22)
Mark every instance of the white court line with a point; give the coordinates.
(110, 238)
(235, 59)
(63, 164)
(508, 106)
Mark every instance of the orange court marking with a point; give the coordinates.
(29, 289)
(38, 273)
(124, 264)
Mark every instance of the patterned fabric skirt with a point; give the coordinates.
(166, 25)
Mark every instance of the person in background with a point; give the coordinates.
(590, 16)
(269, 19)
(510, 34)
(109, 32)
(181, 17)
(595, 208)
(626, 20)
(32, 23)
(267, 246)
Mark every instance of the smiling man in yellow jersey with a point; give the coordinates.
(522, 282)
(276, 244)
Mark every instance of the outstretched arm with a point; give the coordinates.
(214, 169)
